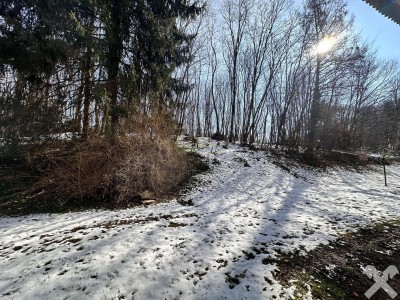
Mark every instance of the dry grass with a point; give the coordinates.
(112, 170)
(59, 175)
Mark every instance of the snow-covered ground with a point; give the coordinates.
(222, 247)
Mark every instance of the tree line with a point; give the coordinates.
(289, 75)
(87, 66)
(272, 72)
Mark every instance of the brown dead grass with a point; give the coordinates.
(113, 171)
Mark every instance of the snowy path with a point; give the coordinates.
(223, 247)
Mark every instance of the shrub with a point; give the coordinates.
(218, 136)
(114, 171)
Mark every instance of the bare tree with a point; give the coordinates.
(323, 20)
(236, 16)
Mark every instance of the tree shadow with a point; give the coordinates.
(225, 246)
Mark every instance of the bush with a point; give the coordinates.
(218, 136)
(114, 171)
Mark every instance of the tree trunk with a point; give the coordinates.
(115, 47)
(87, 93)
(315, 107)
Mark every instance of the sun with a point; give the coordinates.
(326, 44)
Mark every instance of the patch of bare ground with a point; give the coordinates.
(336, 271)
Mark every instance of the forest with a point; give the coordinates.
(198, 149)
(281, 75)
(94, 93)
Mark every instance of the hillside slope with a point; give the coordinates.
(224, 246)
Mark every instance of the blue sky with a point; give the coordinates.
(376, 27)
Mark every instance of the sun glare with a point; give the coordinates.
(326, 44)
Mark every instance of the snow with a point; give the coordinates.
(225, 246)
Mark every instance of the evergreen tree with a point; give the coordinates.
(125, 49)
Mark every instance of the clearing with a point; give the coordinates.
(239, 227)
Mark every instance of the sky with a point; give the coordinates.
(376, 27)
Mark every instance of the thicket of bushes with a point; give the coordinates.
(101, 170)
(113, 171)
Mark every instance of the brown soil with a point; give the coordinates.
(335, 271)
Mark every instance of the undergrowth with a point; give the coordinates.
(99, 173)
